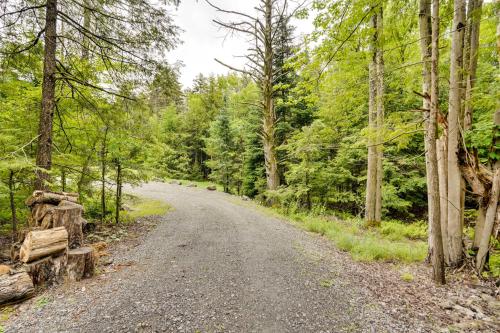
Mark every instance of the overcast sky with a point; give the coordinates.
(204, 41)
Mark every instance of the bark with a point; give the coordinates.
(12, 202)
(69, 217)
(269, 118)
(471, 57)
(443, 194)
(489, 221)
(63, 179)
(81, 263)
(86, 26)
(424, 18)
(47, 271)
(103, 175)
(455, 223)
(371, 179)
(44, 149)
(42, 243)
(15, 287)
(380, 115)
(435, 234)
(118, 191)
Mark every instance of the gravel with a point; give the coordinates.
(215, 264)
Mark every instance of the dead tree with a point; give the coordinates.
(373, 211)
(263, 30)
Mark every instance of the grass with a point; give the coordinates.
(407, 277)
(392, 242)
(143, 207)
(42, 301)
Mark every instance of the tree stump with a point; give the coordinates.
(70, 217)
(15, 287)
(81, 263)
(42, 243)
(48, 270)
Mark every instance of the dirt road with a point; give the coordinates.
(216, 265)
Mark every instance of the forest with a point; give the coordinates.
(386, 115)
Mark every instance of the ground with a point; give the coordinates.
(214, 264)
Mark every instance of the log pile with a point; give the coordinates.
(51, 250)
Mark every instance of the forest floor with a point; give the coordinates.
(214, 264)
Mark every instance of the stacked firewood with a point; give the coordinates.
(51, 249)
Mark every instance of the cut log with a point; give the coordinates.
(38, 212)
(42, 243)
(81, 263)
(42, 197)
(70, 217)
(15, 287)
(47, 271)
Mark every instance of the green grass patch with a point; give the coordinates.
(392, 242)
(138, 207)
(407, 277)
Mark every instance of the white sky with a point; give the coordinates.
(204, 41)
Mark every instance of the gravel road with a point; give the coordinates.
(215, 264)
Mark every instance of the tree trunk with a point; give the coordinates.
(455, 223)
(380, 115)
(371, 179)
(118, 191)
(471, 57)
(12, 202)
(63, 179)
(86, 26)
(39, 244)
(81, 263)
(47, 271)
(489, 221)
(435, 235)
(103, 175)
(15, 287)
(44, 150)
(443, 193)
(269, 117)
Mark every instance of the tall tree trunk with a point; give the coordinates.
(44, 150)
(492, 210)
(63, 179)
(380, 114)
(442, 152)
(104, 151)
(118, 191)
(471, 57)
(12, 202)
(455, 222)
(269, 121)
(435, 234)
(424, 18)
(86, 26)
(371, 178)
